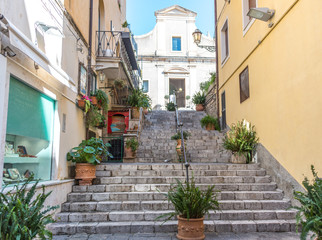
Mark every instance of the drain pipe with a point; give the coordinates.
(217, 73)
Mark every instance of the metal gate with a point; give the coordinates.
(116, 149)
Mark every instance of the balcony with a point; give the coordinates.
(116, 56)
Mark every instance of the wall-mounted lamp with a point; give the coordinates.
(263, 14)
(52, 30)
(9, 51)
(101, 76)
(79, 46)
(197, 39)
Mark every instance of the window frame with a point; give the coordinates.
(224, 38)
(247, 95)
(246, 26)
(148, 85)
(176, 36)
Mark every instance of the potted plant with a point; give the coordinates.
(134, 102)
(171, 106)
(145, 102)
(199, 99)
(210, 123)
(119, 83)
(94, 117)
(177, 137)
(191, 205)
(102, 99)
(102, 122)
(241, 140)
(94, 98)
(309, 214)
(87, 155)
(131, 145)
(84, 103)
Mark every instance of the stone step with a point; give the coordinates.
(102, 205)
(197, 179)
(149, 196)
(119, 215)
(166, 187)
(181, 172)
(175, 166)
(67, 228)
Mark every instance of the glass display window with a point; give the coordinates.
(30, 123)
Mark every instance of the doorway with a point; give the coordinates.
(176, 84)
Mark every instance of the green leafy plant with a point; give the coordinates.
(88, 103)
(102, 99)
(94, 118)
(241, 139)
(134, 98)
(166, 97)
(132, 143)
(199, 98)
(210, 120)
(310, 212)
(125, 24)
(89, 151)
(23, 214)
(171, 106)
(119, 83)
(204, 86)
(187, 97)
(177, 136)
(145, 101)
(189, 201)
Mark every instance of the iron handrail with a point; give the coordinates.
(183, 148)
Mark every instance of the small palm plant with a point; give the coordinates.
(23, 214)
(310, 212)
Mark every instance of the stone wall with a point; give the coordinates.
(211, 101)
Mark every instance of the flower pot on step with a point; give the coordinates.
(236, 158)
(85, 172)
(135, 113)
(145, 111)
(199, 107)
(192, 229)
(128, 153)
(210, 127)
(178, 147)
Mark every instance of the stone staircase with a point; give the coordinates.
(127, 198)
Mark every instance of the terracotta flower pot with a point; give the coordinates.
(210, 127)
(135, 113)
(235, 158)
(81, 104)
(199, 107)
(192, 229)
(85, 172)
(94, 100)
(128, 153)
(145, 111)
(178, 147)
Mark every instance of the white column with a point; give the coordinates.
(4, 92)
(161, 79)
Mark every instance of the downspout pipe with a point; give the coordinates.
(217, 72)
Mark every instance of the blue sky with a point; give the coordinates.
(140, 13)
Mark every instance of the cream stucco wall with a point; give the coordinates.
(285, 69)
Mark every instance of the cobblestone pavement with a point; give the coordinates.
(165, 236)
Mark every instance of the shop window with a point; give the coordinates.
(247, 5)
(244, 85)
(28, 147)
(145, 86)
(224, 42)
(176, 43)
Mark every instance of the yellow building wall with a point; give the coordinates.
(285, 84)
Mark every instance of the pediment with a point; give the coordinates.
(175, 10)
(177, 70)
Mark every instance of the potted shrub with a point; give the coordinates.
(309, 214)
(130, 147)
(191, 205)
(94, 118)
(199, 99)
(134, 101)
(210, 123)
(145, 102)
(241, 140)
(87, 155)
(102, 99)
(171, 106)
(84, 103)
(23, 212)
(102, 122)
(177, 137)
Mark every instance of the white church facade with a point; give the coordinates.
(170, 60)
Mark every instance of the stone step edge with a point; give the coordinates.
(71, 228)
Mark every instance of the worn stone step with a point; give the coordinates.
(153, 214)
(197, 179)
(105, 205)
(66, 228)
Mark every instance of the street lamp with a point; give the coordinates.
(197, 39)
(263, 14)
(101, 76)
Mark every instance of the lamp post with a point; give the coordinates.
(197, 39)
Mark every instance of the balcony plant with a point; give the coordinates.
(102, 99)
(309, 214)
(241, 140)
(94, 118)
(171, 106)
(134, 101)
(23, 214)
(191, 205)
(199, 99)
(131, 146)
(119, 83)
(87, 155)
(145, 102)
(210, 123)
(84, 103)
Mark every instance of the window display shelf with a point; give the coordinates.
(15, 160)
